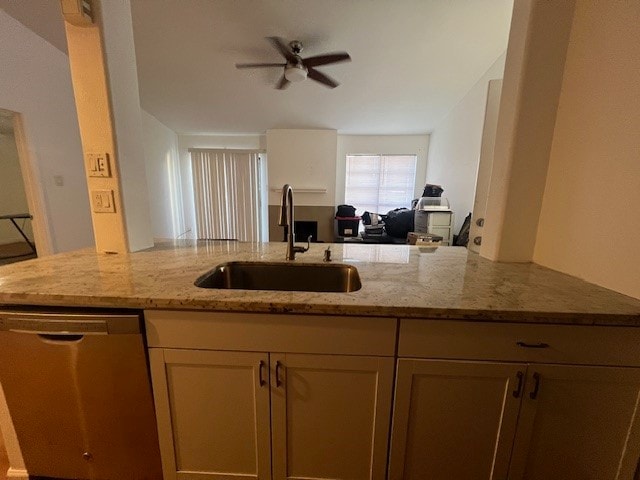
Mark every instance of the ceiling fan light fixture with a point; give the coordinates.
(295, 73)
(296, 68)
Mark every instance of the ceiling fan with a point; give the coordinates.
(297, 68)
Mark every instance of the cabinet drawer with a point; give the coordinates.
(439, 219)
(579, 344)
(255, 332)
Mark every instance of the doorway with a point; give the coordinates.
(16, 231)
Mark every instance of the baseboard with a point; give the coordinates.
(15, 474)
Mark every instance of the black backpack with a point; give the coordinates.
(399, 222)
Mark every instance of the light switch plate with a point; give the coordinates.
(98, 165)
(102, 201)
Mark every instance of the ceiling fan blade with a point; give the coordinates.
(322, 78)
(326, 59)
(259, 65)
(282, 83)
(280, 45)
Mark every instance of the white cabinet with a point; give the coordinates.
(330, 416)
(225, 414)
(578, 423)
(212, 410)
(457, 418)
(290, 397)
(435, 222)
(454, 420)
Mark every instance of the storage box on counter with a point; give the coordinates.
(348, 226)
(425, 239)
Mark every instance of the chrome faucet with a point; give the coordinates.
(286, 220)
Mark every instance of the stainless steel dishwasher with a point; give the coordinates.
(78, 391)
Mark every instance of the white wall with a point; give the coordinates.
(185, 142)
(12, 196)
(163, 177)
(454, 147)
(35, 81)
(305, 159)
(531, 86)
(122, 79)
(383, 144)
(589, 224)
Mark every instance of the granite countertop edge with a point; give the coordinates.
(453, 314)
(397, 281)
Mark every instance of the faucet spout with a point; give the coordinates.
(287, 220)
(286, 214)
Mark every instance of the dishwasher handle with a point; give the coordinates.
(54, 327)
(56, 324)
(60, 338)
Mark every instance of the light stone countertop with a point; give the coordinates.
(397, 281)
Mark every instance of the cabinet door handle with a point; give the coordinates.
(532, 345)
(518, 391)
(278, 366)
(536, 386)
(260, 377)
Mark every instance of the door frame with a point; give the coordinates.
(33, 189)
(485, 163)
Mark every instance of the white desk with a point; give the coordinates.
(437, 222)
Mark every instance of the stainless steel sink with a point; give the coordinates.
(298, 277)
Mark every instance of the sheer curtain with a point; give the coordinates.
(226, 187)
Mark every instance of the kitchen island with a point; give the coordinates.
(443, 365)
(397, 281)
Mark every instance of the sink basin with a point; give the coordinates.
(298, 277)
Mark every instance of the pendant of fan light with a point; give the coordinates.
(296, 68)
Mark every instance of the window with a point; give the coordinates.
(379, 183)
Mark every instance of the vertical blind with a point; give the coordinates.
(226, 187)
(379, 183)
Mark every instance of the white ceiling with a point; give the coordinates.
(44, 17)
(413, 60)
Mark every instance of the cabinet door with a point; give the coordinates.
(213, 414)
(578, 423)
(454, 420)
(330, 416)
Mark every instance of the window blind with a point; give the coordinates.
(379, 183)
(226, 187)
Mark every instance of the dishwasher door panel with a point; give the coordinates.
(81, 404)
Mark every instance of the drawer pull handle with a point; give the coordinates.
(278, 366)
(518, 391)
(532, 345)
(260, 378)
(536, 386)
